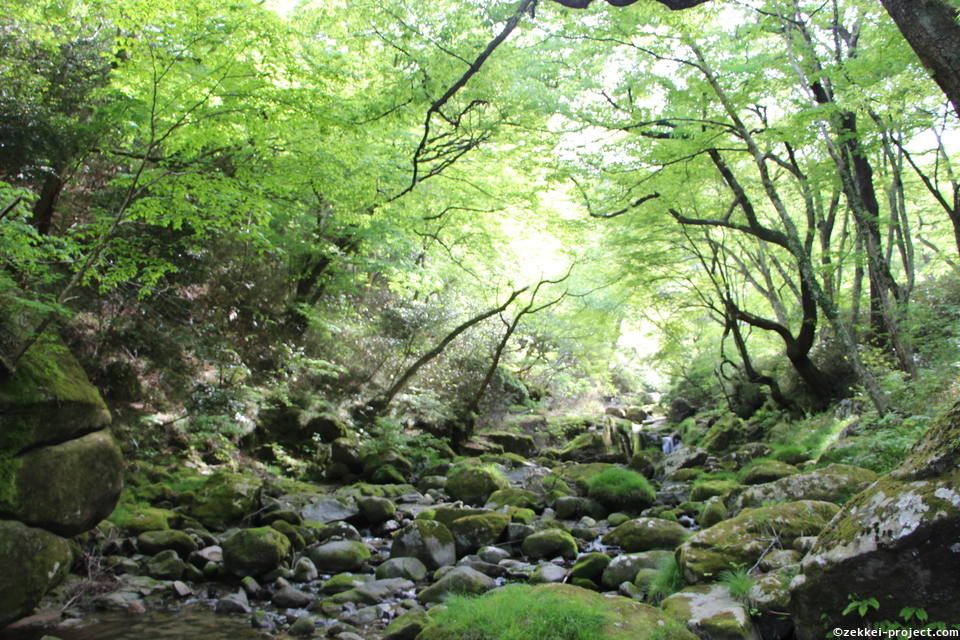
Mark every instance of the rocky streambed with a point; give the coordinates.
(697, 543)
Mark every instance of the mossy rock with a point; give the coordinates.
(550, 543)
(710, 612)
(407, 625)
(583, 448)
(447, 514)
(896, 541)
(834, 483)
(428, 541)
(763, 471)
(644, 534)
(622, 618)
(48, 400)
(255, 552)
(377, 510)
(578, 474)
(621, 489)
(33, 561)
(134, 519)
(341, 555)
(727, 433)
(460, 580)
(590, 566)
(153, 542)
(708, 487)
(475, 484)
(67, 488)
(225, 498)
(472, 532)
(740, 541)
(625, 566)
(513, 498)
(712, 512)
(518, 443)
(523, 516)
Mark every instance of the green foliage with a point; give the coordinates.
(859, 605)
(739, 582)
(620, 488)
(519, 612)
(668, 580)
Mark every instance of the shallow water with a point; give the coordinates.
(191, 622)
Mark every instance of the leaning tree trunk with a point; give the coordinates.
(930, 26)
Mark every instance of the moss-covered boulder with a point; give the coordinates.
(457, 581)
(763, 471)
(897, 541)
(590, 566)
(225, 498)
(66, 488)
(255, 552)
(740, 541)
(341, 555)
(705, 488)
(428, 541)
(513, 498)
(712, 512)
(33, 561)
(834, 483)
(584, 448)
(624, 567)
(550, 543)
(135, 519)
(710, 612)
(472, 532)
(729, 432)
(376, 510)
(518, 443)
(153, 542)
(644, 534)
(621, 489)
(48, 400)
(475, 484)
(617, 618)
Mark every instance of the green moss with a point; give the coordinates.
(49, 372)
(705, 488)
(620, 488)
(519, 612)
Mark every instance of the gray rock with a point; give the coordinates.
(303, 627)
(458, 580)
(329, 510)
(428, 541)
(376, 510)
(166, 565)
(548, 572)
(289, 597)
(305, 571)
(711, 612)
(409, 568)
(493, 555)
(233, 603)
(346, 555)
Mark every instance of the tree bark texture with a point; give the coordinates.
(930, 26)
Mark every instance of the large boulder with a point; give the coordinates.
(897, 541)
(66, 488)
(48, 400)
(341, 555)
(550, 543)
(475, 484)
(742, 540)
(428, 541)
(225, 498)
(472, 532)
(644, 534)
(518, 443)
(33, 561)
(727, 433)
(255, 552)
(834, 483)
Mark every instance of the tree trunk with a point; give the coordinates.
(930, 26)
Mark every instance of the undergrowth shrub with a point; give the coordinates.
(621, 489)
(519, 613)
